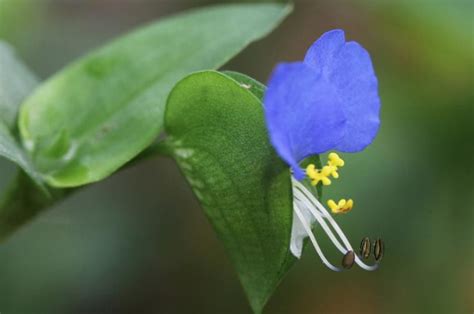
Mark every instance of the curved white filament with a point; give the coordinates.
(316, 214)
(312, 206)
(312, 238)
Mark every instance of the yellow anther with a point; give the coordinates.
(311, 170)
(335, 160)
(332, 170)
(317, 175)
(341, 203)
(342, 206)
(333, 206)
(322, 175)
(349, 204)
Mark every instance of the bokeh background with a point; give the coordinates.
(138, 241)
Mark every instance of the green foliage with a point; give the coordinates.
(246, 81)
(100, 112)
(26, 194)
(10, 149)
(22, 201)
(217, 134)
(16, 81)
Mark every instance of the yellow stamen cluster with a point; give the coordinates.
(317, 175)
(342, 206)
(322, 175)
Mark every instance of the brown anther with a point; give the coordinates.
(378, 249)
(365, 248)
(348, 260)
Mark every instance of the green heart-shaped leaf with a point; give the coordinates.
(100, 112)
(217, 134)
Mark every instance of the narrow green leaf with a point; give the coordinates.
(100, 112)
(16, 82)
(11, 150)
(217, 134)
(26, 195)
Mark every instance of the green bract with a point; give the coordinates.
(217, 134)
(100, 112)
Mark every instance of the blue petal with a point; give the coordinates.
(347, 66)
(303, 113)
(353, 76)
(321, 53)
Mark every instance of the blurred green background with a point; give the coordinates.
(138, 241)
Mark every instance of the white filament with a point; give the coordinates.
(316, 214)
(312, 238)
(304, 197)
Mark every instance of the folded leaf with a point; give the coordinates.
(100, 112)
(217, 134)
(11, 150)
(16, 82)
(26, 194)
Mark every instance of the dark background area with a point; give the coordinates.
(138, 241)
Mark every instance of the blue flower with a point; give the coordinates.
(327, 102)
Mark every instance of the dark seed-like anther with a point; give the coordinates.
(348, 260)
(378, 249)
(365, 248)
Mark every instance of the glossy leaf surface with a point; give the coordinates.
(100, 112)
(217, 135)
